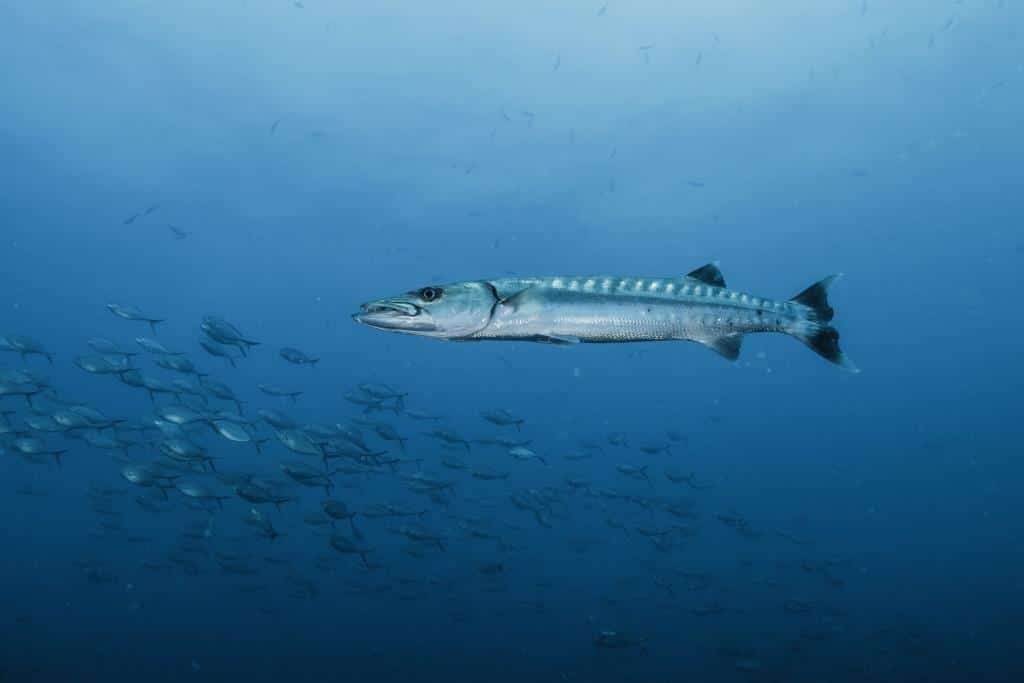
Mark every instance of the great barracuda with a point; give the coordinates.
(603, 309)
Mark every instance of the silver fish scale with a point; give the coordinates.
(607, 309)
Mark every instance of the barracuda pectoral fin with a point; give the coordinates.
(709, 274)
(557, 339)
(727, 347)
(515, 300)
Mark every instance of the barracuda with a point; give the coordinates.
(603, 309)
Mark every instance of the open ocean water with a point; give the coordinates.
(210, 471)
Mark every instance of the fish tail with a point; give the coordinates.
(814, 329)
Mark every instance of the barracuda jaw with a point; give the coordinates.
(395, 315)
(454, 311)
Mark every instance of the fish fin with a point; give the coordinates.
(814, 331)
(709, 274)
(515, 299)
(557, 339)
(727, 347)
(815, 298)
(824, 341)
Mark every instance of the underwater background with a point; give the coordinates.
(267, 166)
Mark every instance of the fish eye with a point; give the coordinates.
(431, 293)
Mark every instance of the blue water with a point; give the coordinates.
(317, 155)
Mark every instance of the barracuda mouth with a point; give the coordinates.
(395, 314)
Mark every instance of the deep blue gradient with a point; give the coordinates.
(325, 153)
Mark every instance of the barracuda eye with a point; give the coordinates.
(429, 294)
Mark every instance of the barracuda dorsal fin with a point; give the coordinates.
(709, 274)
(727, 347)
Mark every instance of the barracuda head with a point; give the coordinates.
(453, 311)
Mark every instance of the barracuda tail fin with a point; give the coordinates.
(814, 330)
(815, 298)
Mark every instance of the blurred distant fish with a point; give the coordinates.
(569, 310)
(178, 233)
(109, 348)
(215, 349)
(274, 390)
(176, 363)
(277, 419)
(221, 391)
(502, 418)
(221, 331)
(523, 453)
(98, 365)
(127, 312)
(604, 8)
(274, 125)
(24, 346)
(256, 519)
(297, 357)
(383, 392)
(140, 214)
(370, 404)
(155, 347)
